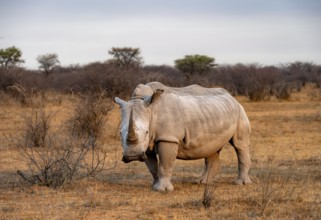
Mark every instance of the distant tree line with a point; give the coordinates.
(119, 75)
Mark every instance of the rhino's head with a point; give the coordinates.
(135, 125)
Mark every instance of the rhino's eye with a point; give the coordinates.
(146, 132)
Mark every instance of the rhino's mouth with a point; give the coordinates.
(141, 157)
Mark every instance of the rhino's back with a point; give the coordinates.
(192, 90)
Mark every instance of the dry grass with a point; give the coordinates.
(286, 175)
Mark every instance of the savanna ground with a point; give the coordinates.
(286, 156)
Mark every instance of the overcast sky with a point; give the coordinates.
(232, 31)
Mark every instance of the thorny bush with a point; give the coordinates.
(56, 157)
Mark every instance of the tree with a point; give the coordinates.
(194, 64)
(126, 56)
(10, 57)
(48, 62)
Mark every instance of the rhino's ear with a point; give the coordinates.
(155, 97)
(120, 102)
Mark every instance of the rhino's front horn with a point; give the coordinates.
(131, 137)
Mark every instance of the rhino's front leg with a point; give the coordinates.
(167, 153)
(152, 164)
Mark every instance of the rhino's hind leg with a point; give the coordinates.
(167, 153)
(241, 144)
(244, 163)
(152, 164)
(212, 168)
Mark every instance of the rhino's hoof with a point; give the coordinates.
(242, 181)
(163, 187)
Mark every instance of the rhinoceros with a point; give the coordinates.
(160, 124)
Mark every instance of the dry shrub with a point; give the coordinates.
(282, 91)
(54, 165)
(25, 97)
(52, 158)
(260, 82)
(258, 93)
(87, 121)
(57, 157)
(87, 124)
(19, 93)
(276, 186)
(22, 85)
(36, 128)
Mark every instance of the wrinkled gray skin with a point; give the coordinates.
(183, 123)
